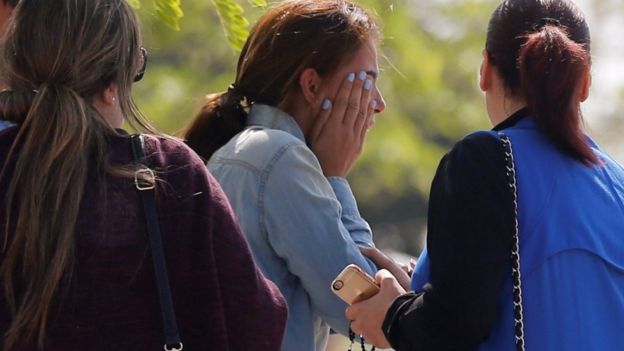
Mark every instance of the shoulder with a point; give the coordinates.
(480, 142)
(276, 136)
(482, 147)
(264, 148)
(294, 161)
(266, 140)
(179, 168)
(169, 151)
(478, 157)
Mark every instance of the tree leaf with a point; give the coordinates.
(170, 11)
(260, 3)
(136, 4)
(235, 26)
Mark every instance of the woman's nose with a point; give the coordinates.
(381, 103)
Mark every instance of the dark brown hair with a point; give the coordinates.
(56, 57)
(11, 2)
(542, 50)
(289, 38)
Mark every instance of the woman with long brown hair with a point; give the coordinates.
(75, 263)
(281, 141)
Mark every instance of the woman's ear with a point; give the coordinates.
(585, 85)
(485, 72)
(108, 96)
(106, 102)
(310, 84)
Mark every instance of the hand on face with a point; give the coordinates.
(339, 131)
(367, 317)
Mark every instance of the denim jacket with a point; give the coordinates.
(303, 227)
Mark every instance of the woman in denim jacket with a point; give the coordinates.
(281, 141)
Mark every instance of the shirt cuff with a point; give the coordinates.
(390, 326)
(343, 192)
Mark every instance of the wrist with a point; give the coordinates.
(334, 172)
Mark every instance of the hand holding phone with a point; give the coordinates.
(354, 285)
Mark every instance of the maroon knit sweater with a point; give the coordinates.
(222, 301)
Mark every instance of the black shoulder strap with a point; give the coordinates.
(145, 181)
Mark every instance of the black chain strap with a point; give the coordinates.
(515, 246)
(352, 340)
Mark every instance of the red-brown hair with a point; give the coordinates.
(542, 51)
(553, 96)
(289, 38)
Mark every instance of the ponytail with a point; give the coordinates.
(56, 68)
(58, 137)
(551, 68)
(221, 117)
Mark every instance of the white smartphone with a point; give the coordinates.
(354, 285)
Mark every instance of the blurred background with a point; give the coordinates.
(430, 59)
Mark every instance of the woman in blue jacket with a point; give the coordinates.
(570, 210)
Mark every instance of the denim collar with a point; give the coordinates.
(274, 118)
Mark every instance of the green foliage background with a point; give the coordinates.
(431, 54)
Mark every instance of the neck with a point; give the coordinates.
(110, 113)
(500, 109)
(300, 111)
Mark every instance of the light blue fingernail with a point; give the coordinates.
(362, 75)
(368, 84)
(326, 104)
(374, 104)
(351, 77)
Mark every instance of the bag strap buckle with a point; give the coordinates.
(179, 347)
(145, 179)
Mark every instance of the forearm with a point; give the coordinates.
(408, 327)
(358, 228)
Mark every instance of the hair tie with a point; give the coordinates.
(233, 98)
(234, 92)
(545, 22)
